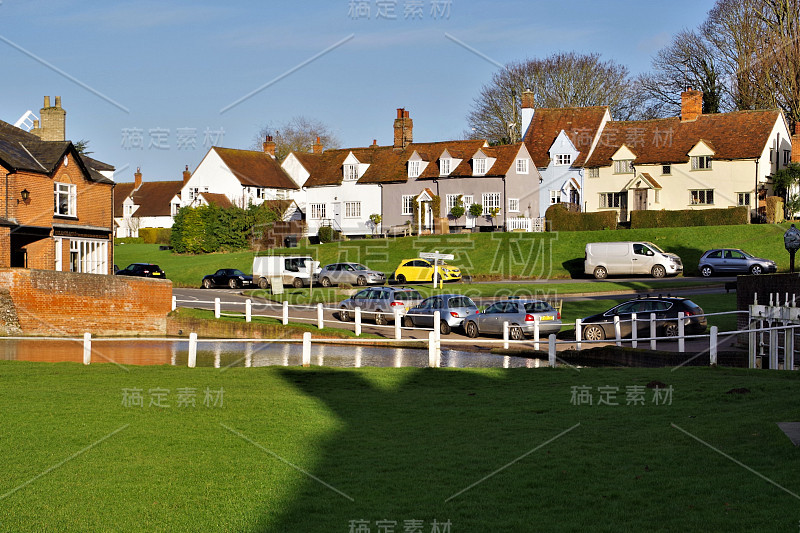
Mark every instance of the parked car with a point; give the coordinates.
(231, 277)
(352, 273)
(520, 317)
(601, 326)
(453, 310)
(733, 261)
(294, 270)
(142, 270)
(603, 259)
(422, 270)
(379, 303)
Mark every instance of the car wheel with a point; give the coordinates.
(706, 271)
(516, 333)
(263, 284)
(401, 278)
(671, 330)
(408, 322)
(326, 282)
(380, 320)
(233, 284)
(600, 273)
(658, 271)
(756, 270)
(471, 330)
(207, 283)
(593, 333)
(344, 315)
(361, 281)
(297, 283)
(444, 328)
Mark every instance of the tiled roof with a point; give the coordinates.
(579, 123)
(735, 135)
(153, 197)
(217, 199)
(255, 169)
(121, 191)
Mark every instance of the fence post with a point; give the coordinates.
(87, 348)
(752, 345)
(216, 308)
(174, 302)
(505, 335)
(437, 337)
(634, 331)
(320, 321)
(551, 350)
(652, 331)
(432, 360)
(192, 350)
(578, 332)
(358, 321)
(285, 312)
(398, 332)
(617, 334)
(681, 332)
(536, 321)
(248, 310)
(773, 345)
(712, 348)
(788, 348)
(307, 348)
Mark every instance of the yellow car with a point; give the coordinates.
(422, 270)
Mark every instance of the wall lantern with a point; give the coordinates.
(25, 195)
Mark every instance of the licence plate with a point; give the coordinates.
(547, 317)
(156, 273)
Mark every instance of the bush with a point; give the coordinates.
(690, 217)
(155, 235)
(774, 210)
(328, 234)
(561, 219)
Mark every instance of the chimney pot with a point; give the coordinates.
(137, 178)
(186, 175)
(46, 101)
(58, 101)
(399, 112)
(691, 105)
(403, 129)
(269, 146)
(317, 147)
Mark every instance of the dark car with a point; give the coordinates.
(666, 308)
(733, 261)
(520, 315)
(453, 310)
(230, 277)
(379, 303)
(142, 270)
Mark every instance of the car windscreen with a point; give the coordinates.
(405, 296)
(237, 273)
(461, 301)
(654, 247)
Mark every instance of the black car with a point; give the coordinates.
(142, 270)
(666, 309)
(229, 277)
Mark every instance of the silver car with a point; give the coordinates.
(520, 317)
(379, 303)
(733, 261)
(453, 310)
(352, 273)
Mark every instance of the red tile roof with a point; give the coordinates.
(121, 191)
(255, 169)
(579, 123)
(217, 199)
(153, 197)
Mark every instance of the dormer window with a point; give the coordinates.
(444, 167)
(480, 166)
(350, 172)
(623, 166)
(701, 162)
(413, 169)
(563, 160)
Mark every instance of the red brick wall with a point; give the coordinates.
(66, 303)
(5, 246)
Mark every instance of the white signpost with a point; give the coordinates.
(435, 256)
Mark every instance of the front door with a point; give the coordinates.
(639, 199)
(623, 206)
(468, 201)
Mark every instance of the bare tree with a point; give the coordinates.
(296, 135)
(561, 80)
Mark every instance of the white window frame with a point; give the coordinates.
(350, 172)
(317, 211)
(623, 166)
(522, 166)
(480, 166)
(594, 172)
(555, 197)
(743, 196)
(490, 200)
(407, 205)
(701, 162)
(451, 200)
(414, 169)
(66, 191)
(444, 166)
(91, 256)
(701, 197)
(563, 160)
(513, 205)
(352, 210)
(610, 200)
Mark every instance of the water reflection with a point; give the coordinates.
(247, 354)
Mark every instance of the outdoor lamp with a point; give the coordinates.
(25, 195)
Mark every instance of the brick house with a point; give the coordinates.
(56, 209)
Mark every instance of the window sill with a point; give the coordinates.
(65, 217)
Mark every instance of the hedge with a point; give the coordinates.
(560, 219)
(155, 235)
(689, 217)
(774, 210)
(328, 234)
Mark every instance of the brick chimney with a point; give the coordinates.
(317, 147)
(137, 178)
(796, 143)
(374, 143)
(403, 129)
(53, 121)
(691, 105)
(186, 174)
(269, 146)
(528, 105)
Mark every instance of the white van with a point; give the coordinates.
(610, 258)
(294, 270)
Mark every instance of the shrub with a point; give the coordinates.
(690, 217)
(155, 235)
(328, 234)
(128, 240)
(476, 210)
(774, 210)
(561, 219)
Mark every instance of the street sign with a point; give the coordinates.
(436, 256)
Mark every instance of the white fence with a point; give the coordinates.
(535, 225)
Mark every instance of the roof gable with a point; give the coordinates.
(580, 124)
(255, 169)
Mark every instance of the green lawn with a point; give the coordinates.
(308, 450)
(484, 255)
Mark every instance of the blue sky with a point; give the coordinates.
(167, 73)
